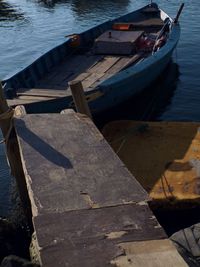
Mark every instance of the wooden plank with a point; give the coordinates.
(71, 68)
(75, 165)
(151, 22)
(38, 98)
(81, 76)
(106, 71)
(41, 92)
(103, 65)
(119, 65)
(89, 81)
(154, 253)
(124, 63)
(92, 237)
(15, 102)
(98, 81)
(12, 151)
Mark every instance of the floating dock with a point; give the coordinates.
(87, 209)
(163, 156)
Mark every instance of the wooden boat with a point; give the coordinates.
(163, 157)
(114, 61)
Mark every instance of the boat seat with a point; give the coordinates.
(157, 23)
(38, 92)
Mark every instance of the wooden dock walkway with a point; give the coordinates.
(87, 209)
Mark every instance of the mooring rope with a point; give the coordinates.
(140, 128)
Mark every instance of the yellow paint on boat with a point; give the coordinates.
(163, 156)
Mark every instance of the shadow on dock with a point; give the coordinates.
(43, 148)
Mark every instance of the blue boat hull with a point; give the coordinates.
(111, 92)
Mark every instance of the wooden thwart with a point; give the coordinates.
(50, 93)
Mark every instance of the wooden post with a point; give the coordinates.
(79, 98)
(12, 150)
(4, 122)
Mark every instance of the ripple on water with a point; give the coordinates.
(30, 28)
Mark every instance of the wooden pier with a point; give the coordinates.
(87, 209)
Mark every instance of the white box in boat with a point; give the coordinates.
(117, 42)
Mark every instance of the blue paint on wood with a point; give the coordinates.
(116, 89)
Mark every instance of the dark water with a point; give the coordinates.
(28, 28)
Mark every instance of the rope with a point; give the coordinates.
(143, 127)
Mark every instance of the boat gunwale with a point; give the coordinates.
(10, 79)
(125, 75)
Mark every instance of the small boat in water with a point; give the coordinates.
(114, 61)
(163, 157)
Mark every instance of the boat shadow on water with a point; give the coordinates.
(147, 105)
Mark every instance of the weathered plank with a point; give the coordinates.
(92, 237)
(41, 92)
(124, 62)
(39, 98)
(16, 101)
(79, 98)
(155, 253)
(89, 81)
(76, 168)
(151, 22)
(69, 70)
(103, 65)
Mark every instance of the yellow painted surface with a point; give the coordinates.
(163, 156)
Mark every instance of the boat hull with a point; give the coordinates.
(109, 93)
(111, 96)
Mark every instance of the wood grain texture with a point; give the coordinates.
(41, 92)
(154, 253)
(92, 237)
(79, 98)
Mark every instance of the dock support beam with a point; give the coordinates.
(12, 150)
(5, 114)
(79, 98)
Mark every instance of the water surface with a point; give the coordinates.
(29, 28)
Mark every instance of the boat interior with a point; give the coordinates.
(114, 50)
